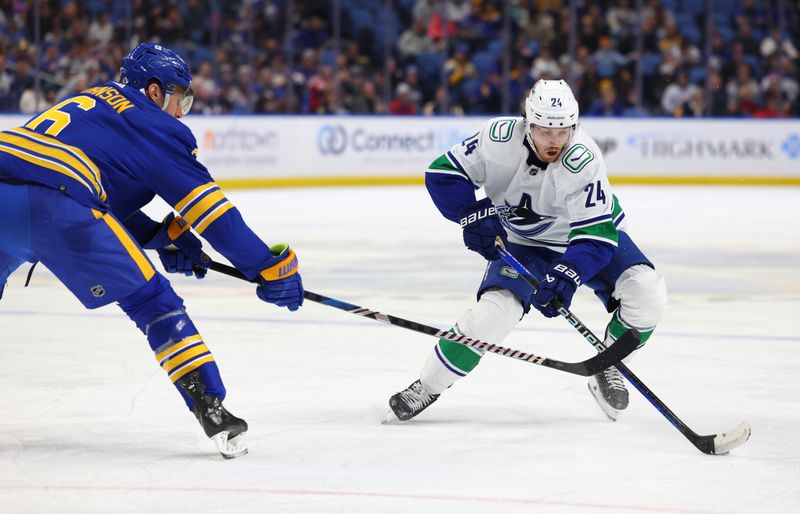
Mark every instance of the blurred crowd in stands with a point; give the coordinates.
(625, 57)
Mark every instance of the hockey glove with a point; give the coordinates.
(279, 282)
(482, 226)
(180, 251)
(560, 282)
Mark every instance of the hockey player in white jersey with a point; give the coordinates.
(549, 199)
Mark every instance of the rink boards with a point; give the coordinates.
(275, 151)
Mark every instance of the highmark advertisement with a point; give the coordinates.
(636, 150)
(265, 150)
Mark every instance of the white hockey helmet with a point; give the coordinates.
(551, 104)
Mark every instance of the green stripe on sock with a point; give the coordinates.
(459, 356)
(616, 327)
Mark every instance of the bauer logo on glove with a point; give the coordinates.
(475, 216)
(567, 272)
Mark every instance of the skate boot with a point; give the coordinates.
(609, 390)
(226, 430)
(409, 402)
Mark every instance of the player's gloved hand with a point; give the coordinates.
(560, 282)
(180, 251)
(482, 226)
(279, 282)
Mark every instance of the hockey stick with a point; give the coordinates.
(714, 444)
(624, 346)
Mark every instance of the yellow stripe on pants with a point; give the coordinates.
(133, 249)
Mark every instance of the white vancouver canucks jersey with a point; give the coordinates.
(540, 204)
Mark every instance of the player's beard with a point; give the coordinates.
(548, 154)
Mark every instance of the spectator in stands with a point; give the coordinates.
(588, 33)
(6, 80)
(239, 33)
(402, 104)
(31, 102)
(320, 88)
(748, 97)
(745, 37)
(544, 66)
(696, 106)
(538, 26)
(22, 80)
(621, 16)
(774, 104)
(785, 85)
(777, 43)
(313, 33)
(744, 89)
(459, 68)
(424, 9)
(718, 100)
(100, 30)
(678, 94)
(457, 11)
(205, 89)
(488, 100)
(415, 40)
(607, 104)
(364, 99)
(751, 11)
(607, 58)
(435, 106)
(669, 37)
(412, 79)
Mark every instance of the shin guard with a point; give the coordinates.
(491, 320)
(179, 349)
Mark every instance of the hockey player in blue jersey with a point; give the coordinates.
(72, 182)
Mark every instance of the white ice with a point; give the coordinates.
(91, 424)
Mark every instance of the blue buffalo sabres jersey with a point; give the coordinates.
(112, 149)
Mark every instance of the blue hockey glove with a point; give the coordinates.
(482, 226)
(279, 282)
(179, 250)
(560, 283)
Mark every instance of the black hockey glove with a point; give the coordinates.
(560, 282)
(482, 226)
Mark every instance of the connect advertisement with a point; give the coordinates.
(326, 150)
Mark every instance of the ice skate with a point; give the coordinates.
(226, 430)
(609, 391)
(409, 402)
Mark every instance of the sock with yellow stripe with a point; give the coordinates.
(179, 349)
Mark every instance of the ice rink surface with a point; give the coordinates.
(90, 423)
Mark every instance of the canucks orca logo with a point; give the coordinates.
(523, 220)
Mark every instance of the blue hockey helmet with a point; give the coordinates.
(150, 61)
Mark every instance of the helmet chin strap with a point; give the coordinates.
(164, 105)
(166, 101)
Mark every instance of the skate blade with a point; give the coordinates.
(230, 448)
(391, 419)
(610, 412)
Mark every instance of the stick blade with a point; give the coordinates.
(622, 347)
(726, 441)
